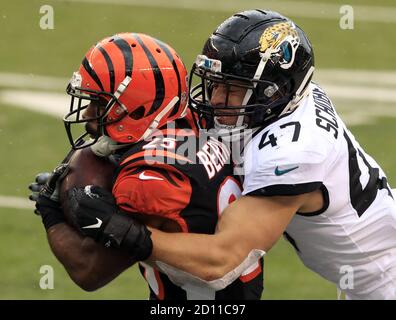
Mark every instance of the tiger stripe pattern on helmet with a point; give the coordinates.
(92, 73)
(110, 66)
(125, 48)
(172, 60)
(159, 80)
(143, 81)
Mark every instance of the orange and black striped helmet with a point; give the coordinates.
(141, 82)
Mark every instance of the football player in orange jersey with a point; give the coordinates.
(135, 87)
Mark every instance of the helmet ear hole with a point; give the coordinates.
(138, 113)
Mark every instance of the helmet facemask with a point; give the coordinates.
(261, 97)
(81, 99)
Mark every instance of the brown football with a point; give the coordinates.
(85, 169)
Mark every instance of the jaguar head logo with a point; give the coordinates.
(279, 43)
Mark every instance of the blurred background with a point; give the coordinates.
(356, 66)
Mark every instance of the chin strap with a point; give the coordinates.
(105, 146)
(230, 133)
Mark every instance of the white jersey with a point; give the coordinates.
(351, 241)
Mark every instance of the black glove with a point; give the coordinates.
(42, 178)
(95, 212)
(91, 209)
(46, 196)
(35, 187)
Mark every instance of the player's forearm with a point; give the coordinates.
(198, 254)
(208, 257)
(247, 224)
(72, 251)
(88, 263)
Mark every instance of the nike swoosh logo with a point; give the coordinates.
(279, 172)
(94, 226)
(142, 176)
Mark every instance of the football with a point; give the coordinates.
(85, 169)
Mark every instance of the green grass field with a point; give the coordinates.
(33, 142)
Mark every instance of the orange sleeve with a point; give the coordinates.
(159, 190)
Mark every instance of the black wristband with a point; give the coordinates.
(50, 211)
(115, 230)
(51, 216)
(122, 231)
(138, 242)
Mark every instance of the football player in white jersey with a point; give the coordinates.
(305, 175)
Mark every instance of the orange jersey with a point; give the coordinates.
(177, 183)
